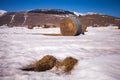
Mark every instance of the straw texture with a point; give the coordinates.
(70, 27)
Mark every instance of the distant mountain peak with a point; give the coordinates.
(2, 12)
(93, 13)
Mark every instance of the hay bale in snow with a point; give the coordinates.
(70, 27)
(46, 63)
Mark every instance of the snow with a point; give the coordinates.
(2, 12)
(25, 17)
(12, 18)
(88, 13)
(78, 14)
(98, 52)
(93, 13)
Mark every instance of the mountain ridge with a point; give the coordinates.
(43, 17)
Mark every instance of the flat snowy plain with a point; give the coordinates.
(98, 52)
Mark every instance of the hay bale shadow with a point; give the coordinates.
(52, 34)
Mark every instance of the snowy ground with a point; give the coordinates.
(98, 52)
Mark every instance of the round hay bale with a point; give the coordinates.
(70, 27)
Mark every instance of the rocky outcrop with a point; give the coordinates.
(51, 11)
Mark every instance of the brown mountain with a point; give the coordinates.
(52, 18)
(41, 17)
(98, 20)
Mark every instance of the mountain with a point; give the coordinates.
(41, 17)
(2, 12)
(52, 17)
(98, 19)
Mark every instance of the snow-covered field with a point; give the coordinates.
(98, 52)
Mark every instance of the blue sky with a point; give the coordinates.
(110, 7)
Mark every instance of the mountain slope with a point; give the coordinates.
(52, 18)
(97, 19)
(35, 17)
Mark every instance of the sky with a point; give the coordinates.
(109, 7)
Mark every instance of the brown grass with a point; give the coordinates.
(39, 25)
(46, 63)
(68, 63)
(84, 27)
(30, 26)
(119, 27)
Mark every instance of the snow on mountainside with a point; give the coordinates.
(2, 12)
(93, 13)
(78, 14)
(88, 13)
